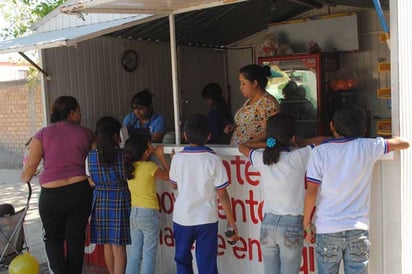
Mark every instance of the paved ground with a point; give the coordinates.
(15, 193)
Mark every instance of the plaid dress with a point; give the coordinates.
(109, 222)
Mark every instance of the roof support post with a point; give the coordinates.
(175, 81)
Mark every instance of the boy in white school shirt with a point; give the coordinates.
(200, 177)
(338, 183)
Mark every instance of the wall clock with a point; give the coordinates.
(129, 60)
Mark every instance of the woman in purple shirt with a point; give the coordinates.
(65, 197)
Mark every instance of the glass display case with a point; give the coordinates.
(295, 82)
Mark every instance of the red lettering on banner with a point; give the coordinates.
(249, 173)
(228, 170)
(255, 208)
(166, 237)
(308, 260)
(255, 242)
(244, 247)
(166, 202)
(241, 166)
(240, 249)
(240, 202)
(221, 245)
(312, 258)
(237, 162)
(260, 210)
(252, 202)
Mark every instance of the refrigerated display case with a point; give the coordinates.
(295, 81)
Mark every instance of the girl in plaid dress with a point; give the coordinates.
(109, 223)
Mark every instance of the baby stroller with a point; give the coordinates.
(12, 240)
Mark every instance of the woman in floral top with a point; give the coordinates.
(251, 118)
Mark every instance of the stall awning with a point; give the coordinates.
(143, 6)
(71, 36)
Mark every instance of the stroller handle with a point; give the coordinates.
(30, 191)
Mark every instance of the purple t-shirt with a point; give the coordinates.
(65, 147)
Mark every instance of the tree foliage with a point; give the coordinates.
(19, 15)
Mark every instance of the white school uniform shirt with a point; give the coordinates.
(343, 169)
(283, 182)
(198, 172)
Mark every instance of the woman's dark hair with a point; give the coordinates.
(214, 91)
(197, 129)
(107, 131)
(142, 98)
(134, 149)
(254, 72)
(281, 127)
(349, 121)
(62, 107)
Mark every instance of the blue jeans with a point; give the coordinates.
(281, 238)
(205, 237)
(144, 231)
(352, 246)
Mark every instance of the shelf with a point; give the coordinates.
(384, 93)
(384, 66)
(384, 127)
(384, 37)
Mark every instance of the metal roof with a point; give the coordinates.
(218, 26)
(69, 36)
(224, 25)
(205, 26)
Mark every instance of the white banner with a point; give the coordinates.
(246, 256)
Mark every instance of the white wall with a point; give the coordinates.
(401, 42)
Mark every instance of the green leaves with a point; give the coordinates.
(19, 15)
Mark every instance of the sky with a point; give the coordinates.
(8, 56)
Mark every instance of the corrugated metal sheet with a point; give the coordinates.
(216, 27)
(225, 25)
(93, 73)
(67, 37)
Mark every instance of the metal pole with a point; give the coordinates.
(175, 81)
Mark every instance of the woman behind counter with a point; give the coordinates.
(251, 118)
(143, 117)
(65, 197)
(219, 114)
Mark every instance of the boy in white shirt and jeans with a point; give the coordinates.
(338, 183)
(200, 177)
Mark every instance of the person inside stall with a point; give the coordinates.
(295, 102)
(219, 114)
(143, 118)
(251, 118)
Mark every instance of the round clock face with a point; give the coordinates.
(129, 60)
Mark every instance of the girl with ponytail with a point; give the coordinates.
(109, 221)
(282, 168)
(144, 216)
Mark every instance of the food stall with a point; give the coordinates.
(390, 193)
